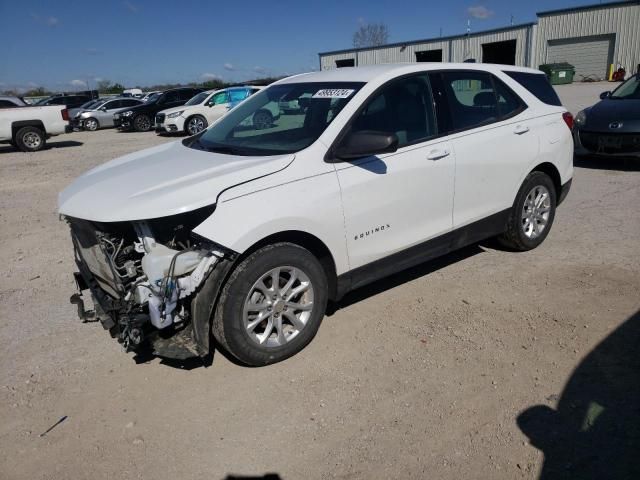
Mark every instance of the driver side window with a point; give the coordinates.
(219, 98)
(403, 107)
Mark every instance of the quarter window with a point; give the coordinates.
(509, 104)
(404, 107)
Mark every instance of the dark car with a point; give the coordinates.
(140, 118)
(611, 127)
(69, 101)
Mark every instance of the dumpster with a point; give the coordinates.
(559, 73)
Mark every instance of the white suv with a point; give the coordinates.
(207, 107)
(243, 234)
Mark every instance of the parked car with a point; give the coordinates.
(145, 97)
(245, 232)
(291, 106)
(7, 101)
(27, 128)
(69, 101)
(74, 112)
(207, 107)
(140, 118)
(611, 127)
(101, 114)
(132, 92)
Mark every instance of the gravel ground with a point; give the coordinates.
(422, 375)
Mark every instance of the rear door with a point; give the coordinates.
(492, 137)
(395, 201)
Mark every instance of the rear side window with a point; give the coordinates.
(472, 100)
(538, 85)
(237, 95)
(7, 104)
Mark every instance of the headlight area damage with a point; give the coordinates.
(152, 282)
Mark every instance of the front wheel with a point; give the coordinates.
(91, 124)
(142, 123)
(195, 124)
(272, 305)
(262, 119)
(532, 213)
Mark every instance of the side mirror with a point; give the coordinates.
(104, 109)
(366, 143)
(604, 95)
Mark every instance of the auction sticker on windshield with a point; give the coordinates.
(333, 93)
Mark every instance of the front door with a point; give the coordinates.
(394, 201)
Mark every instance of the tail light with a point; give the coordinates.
(65, 114)
(568, 119)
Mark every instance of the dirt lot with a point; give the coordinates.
(419, 376)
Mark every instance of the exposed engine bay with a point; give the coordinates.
(143, 277)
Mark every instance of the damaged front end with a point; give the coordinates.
(148, 281)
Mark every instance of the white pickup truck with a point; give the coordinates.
(27, 128)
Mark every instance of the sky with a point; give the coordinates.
(66, 44)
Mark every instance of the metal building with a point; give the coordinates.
(590, 37)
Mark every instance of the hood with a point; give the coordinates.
(176, 109)
(607, 111)
(160, 181)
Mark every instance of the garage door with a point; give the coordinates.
(590, 55)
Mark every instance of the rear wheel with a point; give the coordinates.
(532, 214)
(142, 123)
(195, 124)
(30, 139)
(262, 119)
(272, 305)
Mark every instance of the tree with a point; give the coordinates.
(371, 35)
(103, 85)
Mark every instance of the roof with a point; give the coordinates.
(369, 73)
(432, 39)
(593, 6)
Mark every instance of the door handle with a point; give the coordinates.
(520, 129)
(437, 154)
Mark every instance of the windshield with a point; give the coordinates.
(90, 103)
(96, 104)
(198, 99)
(257, 127)
(629, 89)
(153, 97)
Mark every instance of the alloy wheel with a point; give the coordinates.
(32, 140)
(278, 306)
(195, 125)
(536, 211)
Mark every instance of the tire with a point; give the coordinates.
(91, 124)
(262, 119)
(532, 213)
(142, 123)
(195, 124)
(244, 332)
(30, 139)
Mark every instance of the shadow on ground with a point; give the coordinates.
(595, 431)
(405, 276)
(608, 163)
(267, 476)
(62, 144)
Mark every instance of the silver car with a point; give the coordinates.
(100, 115)
(74, 112)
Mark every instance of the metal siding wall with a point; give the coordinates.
(328, 62)
(623, 20)
(399, 54)
(475, 42)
